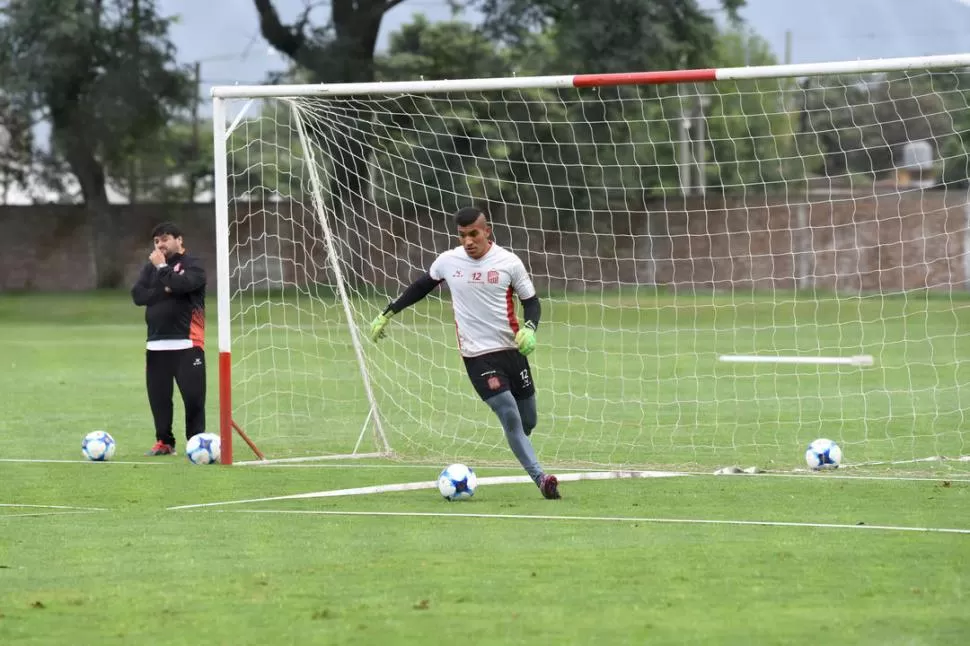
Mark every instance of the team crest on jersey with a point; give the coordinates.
(494, 383)
(457, 274)
(493, 276)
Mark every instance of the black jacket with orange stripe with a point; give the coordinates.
(179, 311)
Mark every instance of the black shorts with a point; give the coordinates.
(496, 372)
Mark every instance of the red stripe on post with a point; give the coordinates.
(225, 407)
(644, 78)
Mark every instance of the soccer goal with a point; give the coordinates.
(732, 263)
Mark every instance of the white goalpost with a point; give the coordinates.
(731, 262)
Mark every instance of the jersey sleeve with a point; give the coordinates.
(521, 282)
(438, 268)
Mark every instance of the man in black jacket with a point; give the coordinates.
(171, 287)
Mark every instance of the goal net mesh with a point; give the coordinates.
(710, 259)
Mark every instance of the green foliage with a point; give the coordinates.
(441, 50)
(575, 152)
(173, 164)
(570, 152)
(439, 152)
(16, 146)
(861, 123)
(609, 35)
(265, 155)
(750, 123)
(954, 146)
(340, 50)
(103, 73)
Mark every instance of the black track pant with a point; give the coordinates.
(187, 369)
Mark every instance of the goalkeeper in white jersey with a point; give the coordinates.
(482, 277)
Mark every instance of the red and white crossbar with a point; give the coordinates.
(596, 80)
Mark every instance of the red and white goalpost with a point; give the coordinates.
(683, 323)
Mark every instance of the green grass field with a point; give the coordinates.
(627, 378)
(92, 554)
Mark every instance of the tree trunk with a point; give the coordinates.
(108, 265)
(348, 57)
(70, 125)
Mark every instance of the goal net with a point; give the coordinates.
(731, 263)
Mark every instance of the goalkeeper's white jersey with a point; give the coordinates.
(481, 293)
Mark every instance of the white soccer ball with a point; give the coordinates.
(457, 482)
(204, 448)
(823, 454)
(98, 446)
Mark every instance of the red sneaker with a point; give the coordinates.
(549, 486)
(161, 448)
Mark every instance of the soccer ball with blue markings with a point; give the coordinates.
(98, 446)
(823, 454)
(457, 482)
(204, 448)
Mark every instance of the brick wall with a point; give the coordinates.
(47, 247)
(890, 241)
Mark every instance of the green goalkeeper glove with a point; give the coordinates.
(526, 340)
(377, 326)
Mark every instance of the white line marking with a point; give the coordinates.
(414, 486)
(34, 461)
(37, 514)
(798, 473)
(17, 505)
(616, 519)
(434, 466)
(354, 465)
(314, 458)
(830, 475)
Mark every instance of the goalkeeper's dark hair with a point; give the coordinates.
(167, 228)
(466, 217)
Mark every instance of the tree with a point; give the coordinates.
(572, 152)
(434, 152)
(16, 142)
(342, 50)
(441, 50)
(861, 124)
(630, 35)
(103, 74)
(173, 164)
(954, 146)
(609, 35)
(750, 124)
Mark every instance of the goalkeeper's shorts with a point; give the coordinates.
(496, 372)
